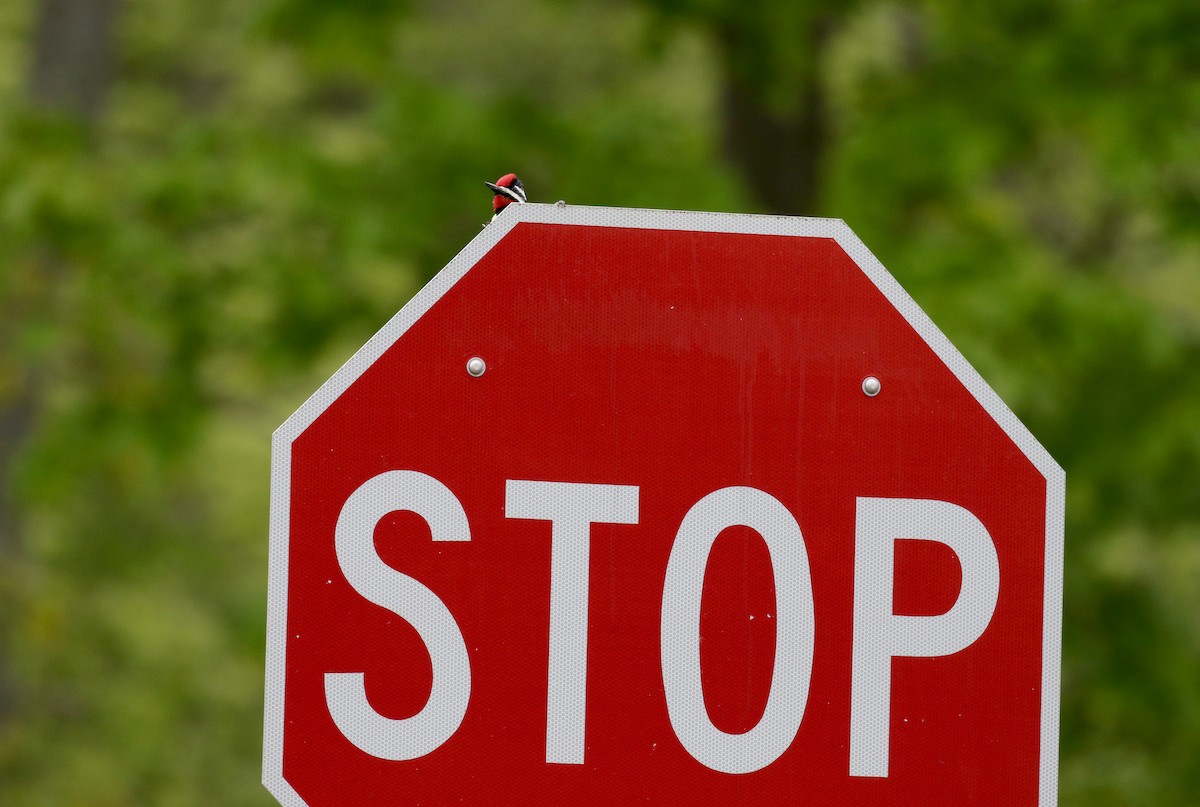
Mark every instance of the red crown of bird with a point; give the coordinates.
(506, 190)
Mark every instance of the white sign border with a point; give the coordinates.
(635, 218)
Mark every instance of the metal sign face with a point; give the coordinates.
(668, 508)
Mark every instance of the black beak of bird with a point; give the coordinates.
(512, 194)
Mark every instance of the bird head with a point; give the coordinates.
(506, 190)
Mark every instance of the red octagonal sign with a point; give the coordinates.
(634, 506)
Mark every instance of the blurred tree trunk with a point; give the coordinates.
(70, 75)
(774, 116)
(16, 421)
(72, 56)
(778, 148)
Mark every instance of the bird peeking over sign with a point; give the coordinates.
(506, 190)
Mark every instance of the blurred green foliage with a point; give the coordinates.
(272, 179)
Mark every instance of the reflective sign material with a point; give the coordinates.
(714, 514)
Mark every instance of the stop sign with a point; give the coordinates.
(669, 508)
